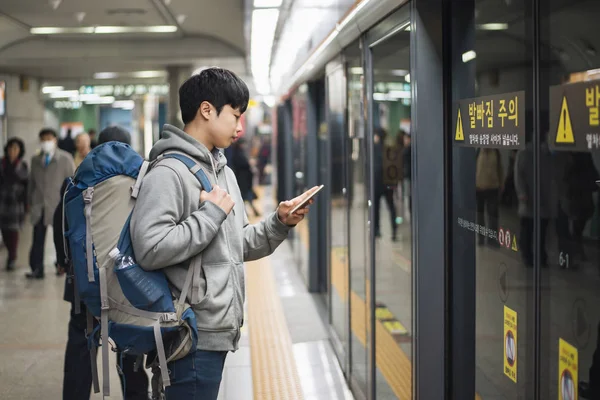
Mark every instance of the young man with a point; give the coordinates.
(49, 169)
(174, 220)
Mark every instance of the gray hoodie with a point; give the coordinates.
(170, 228)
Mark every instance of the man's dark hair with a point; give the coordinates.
(48, 131)
(217, 86)
(114, 134)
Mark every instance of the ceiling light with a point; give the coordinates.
(79, 16)
(135, 29)
(356, 71)
(267, 3)
(407, 29)
(399, 94)
(468, 56)
(493, 26)
(264, 23)
(399, 72)
(49, 30)
(124, 104)
(64, 94)
(102, 100)
(148, 74)
(105, 75)
(85, 97)
(181, 19)
(52, 89)
(407, 78)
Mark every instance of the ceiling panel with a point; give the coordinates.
(223, 19)
(104, 12)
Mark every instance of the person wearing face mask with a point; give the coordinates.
(49, 169)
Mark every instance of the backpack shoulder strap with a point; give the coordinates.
(193, 166)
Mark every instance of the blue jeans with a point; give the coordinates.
(197, 376)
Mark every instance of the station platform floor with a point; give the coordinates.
(285, 352)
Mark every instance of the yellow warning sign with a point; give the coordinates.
(459, 129)
(514, 243)
(564, 131)
(510, 344)
(395, 327)
(568, 365)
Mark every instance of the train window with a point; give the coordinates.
(358, 218)
(492, 196)
(339, 258)
(569, 199)
(391, 159)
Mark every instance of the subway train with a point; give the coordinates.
(455, 246)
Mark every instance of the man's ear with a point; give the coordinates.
(205, 110)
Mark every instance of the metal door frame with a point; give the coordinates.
(390, 26)
(344, 355)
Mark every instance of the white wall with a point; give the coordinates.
(24, 113)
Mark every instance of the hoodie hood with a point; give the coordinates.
(174, 139)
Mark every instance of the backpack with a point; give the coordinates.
(136, 308)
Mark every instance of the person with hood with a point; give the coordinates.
(175, 220)
(13, 196)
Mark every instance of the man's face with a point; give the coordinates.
(48, 143)
(48, 137)
(225, 127)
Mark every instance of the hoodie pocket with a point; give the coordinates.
(216, 310)
(239, 292)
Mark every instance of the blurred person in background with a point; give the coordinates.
(13, 196)
(82, 146)
(93, 139)
(77, 379)
(67, 143)
(49, 169)
(240, 165)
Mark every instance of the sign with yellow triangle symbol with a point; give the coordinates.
(514, 243)
(564, 132)
(459, 129)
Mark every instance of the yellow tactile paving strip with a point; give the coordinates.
(274, 373)
(391, 360)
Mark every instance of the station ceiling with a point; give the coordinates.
(119, 37)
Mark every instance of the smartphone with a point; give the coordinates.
(305, 202)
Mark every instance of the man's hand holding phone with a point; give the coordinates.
(285, 207)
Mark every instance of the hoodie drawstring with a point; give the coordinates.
(212, 162)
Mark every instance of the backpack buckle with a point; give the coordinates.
(88, 195)
(168, 317)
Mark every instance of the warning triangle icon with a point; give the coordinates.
(564, 132)
(514, 244)
(459, 129)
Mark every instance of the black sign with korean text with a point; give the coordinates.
(575, 116)
(496, 122)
